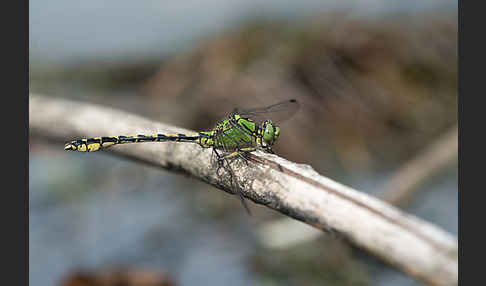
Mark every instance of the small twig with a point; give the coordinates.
(418, 248)
(404, 183)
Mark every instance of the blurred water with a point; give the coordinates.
(129, 222)
(67, 31)
(99, 211)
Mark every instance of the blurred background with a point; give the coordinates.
(377, 82)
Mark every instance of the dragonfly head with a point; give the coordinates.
(270, 132)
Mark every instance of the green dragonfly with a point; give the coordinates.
(242, 132)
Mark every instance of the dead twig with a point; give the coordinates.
(401, 187)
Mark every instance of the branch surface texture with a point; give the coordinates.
(418, 248)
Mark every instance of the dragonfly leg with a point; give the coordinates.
(225, 158)
(237, 190)
(240, 153)
(269, 150)
(238, 149)
(219, 160)
(242, 156)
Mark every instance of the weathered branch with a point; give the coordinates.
(419, 248)
(398, 191)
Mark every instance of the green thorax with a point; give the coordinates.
(237, 132)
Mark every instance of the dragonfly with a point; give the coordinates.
(240, 133)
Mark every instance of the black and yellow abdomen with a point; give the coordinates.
(98, 143)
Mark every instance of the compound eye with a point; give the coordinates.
(269, 133)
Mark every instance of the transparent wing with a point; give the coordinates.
(278, 112)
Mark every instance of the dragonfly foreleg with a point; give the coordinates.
(219, 160)
(240, 153)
